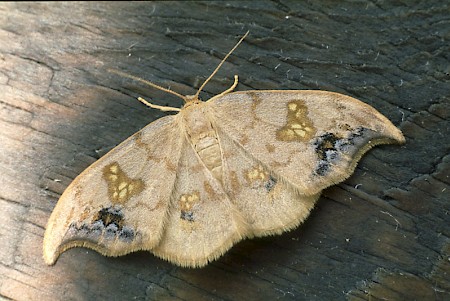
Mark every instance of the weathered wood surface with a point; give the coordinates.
(382, 234)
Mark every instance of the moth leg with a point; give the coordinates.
(161, 108)
(231, 88)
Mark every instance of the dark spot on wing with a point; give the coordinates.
(329, 148)
(108, 222)
(187, 215)
(271, 182)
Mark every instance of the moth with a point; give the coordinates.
(187, 187)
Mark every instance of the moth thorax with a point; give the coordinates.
(209, 152)
(204, 139)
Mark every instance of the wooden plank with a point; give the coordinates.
(382, 234)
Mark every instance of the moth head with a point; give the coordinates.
(191, 100)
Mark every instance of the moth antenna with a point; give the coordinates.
(148, 83)
(220, 65)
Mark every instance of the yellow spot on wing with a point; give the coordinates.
(257, 174)
(298, 126)
(114, 168)
(187, 201)
(292, 106)
(120, 187)
(301, 133)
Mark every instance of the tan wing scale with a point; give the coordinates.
(313, 139)
(119, 204)
(202, 223)
(269, 203)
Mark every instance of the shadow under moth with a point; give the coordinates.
(242, 164)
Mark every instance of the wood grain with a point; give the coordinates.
(382, 234)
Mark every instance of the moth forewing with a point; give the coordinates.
(119, 204)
